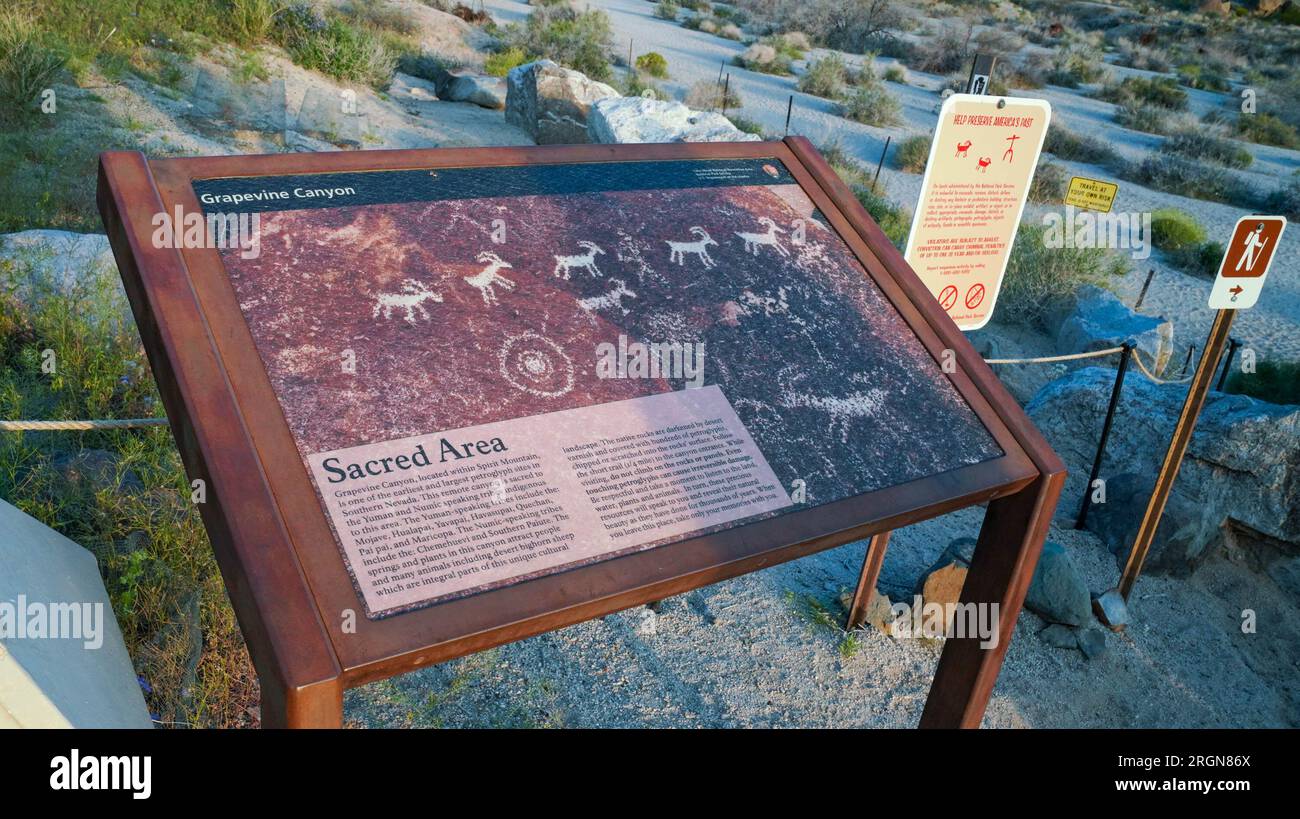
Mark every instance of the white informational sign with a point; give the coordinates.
(1246, 261)
(976, 182)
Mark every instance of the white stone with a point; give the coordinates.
(641, 119)
(60, 683)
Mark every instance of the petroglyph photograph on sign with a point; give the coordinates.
(480, 296)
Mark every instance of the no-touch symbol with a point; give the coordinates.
(948, 297)
(974, 296)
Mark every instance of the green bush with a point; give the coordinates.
(1065, 144)
(1151, 119)
(654, 64)
(1194, 75)
(27, 62)
(1174, 230)
(499, 63)
(1266, 129)
(1136, 91)
(871, 105)
(1199, 259)
(912, 154)
(895, 221)
(1197, 144)
(896, 73)
(747, 125)
(765, 59)
(1073, 68)
(335, 47)
(1277, 382)
(1040, 277)
(1185, 177)
(825, 77)
(577, 40)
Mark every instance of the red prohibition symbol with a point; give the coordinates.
(974, 296)
(948, 297)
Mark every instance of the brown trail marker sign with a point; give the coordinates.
(431, 418)
(982, 159)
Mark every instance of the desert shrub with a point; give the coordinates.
(374, 13)
(706, 95)
(736, 15)
(731, 31)
(896, 73)
(653, 63)
(825, 77)
(499, 63)
(702, 6)
(894, 220)
(639, 84)
(764, 58)
(1174, 230)
(1136, 55)
(1039, 277)
(870, 102)
(28, 63)
(1030, 72)
(577, 40)
(667, 10)
(1285, 200)
(335, 46)
(1198, 259)
(1195, 75)
(912, 154)
(1277, 382)
(1141, 92)
(747, 125)
(251, 21)
(1266, 129)
(949, 51)
(1173, 174)
(1050, 183)
(1151, 119)
(1072, 68)
(1063, 143)
(1197, 144)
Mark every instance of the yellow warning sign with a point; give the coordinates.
(1092, 194)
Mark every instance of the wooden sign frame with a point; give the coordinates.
(286, 578)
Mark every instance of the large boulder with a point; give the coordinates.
(467, 85)
(551, 103)
(1243, 462)
(1100, 320)
(641, 119)
(1188, 532)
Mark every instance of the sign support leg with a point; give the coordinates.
(313, 706)
(871, 563)
(1006, 553)
(1196, 392)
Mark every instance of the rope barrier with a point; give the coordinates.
(106, 423)
(128, 423)
(1044, 359)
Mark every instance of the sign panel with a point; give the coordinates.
(1092, 194)
(1246, 261)
(982, 160)
(530, 389)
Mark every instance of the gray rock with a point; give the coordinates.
(551, 103)
(1059, 636)
(1111, 610)
(467, 86)
(1100, 320)
(1092, 642)
(1243, 462)
(620, 120)
(1058, 592)
(1187, 535)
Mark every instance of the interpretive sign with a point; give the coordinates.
(982, 159)
(449, 399)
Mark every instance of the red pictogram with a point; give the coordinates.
(948, 297)
(974, 296)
